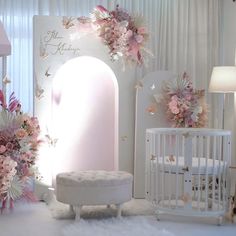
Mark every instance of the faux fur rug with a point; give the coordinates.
(125, 226)
(101, 221)
(132, 208)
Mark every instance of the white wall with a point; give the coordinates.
(227, 58)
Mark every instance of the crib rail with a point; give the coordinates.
(187, 170)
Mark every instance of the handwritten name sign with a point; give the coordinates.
(53, 44)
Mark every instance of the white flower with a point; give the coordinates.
(198, 110)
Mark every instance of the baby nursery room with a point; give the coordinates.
(117, 117)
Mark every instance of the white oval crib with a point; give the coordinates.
(187, 171)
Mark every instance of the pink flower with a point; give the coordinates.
(2, 149)
(17, 136)
(188, 97)
(174, 98)
(185, 106)
(141, 30)
(118, 31)
(20, 133)
(9, 146)
(7, 172)
(175, 110)
(2, 100)
(173, 107)
(139, 38)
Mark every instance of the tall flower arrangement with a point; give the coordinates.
(185, 106)
(123, 34)
(19, 139)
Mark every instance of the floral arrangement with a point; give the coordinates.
(18, 150)
(123, 34)
(185, 106)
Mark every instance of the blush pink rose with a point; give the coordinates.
(2, 149)
(173, 107)
(141, 30)
(20, 133)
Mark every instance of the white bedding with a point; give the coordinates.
(200, 165)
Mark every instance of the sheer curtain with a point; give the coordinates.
(184, 36)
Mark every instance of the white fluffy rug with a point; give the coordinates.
(101, 221)
(135, 207)
(125, 226)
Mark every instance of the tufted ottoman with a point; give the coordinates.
(94, 187)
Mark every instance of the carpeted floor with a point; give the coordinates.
(135, 207)
(39, 220)
(126, 226)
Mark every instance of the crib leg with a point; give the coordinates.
(158, 215)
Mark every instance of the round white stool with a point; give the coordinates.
(94, 187)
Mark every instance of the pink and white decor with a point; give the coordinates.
(19, 140)
(57, 40)
(124, 34)
(184, 105)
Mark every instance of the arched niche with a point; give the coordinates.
(85, 116)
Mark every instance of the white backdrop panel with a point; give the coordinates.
(151, 84)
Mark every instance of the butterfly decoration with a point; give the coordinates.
(5, 80)
(47, 74)
(139, 84)
(67, 22)
(152, 109)
(42, 50)
(171, 158)
(200, 93)
(84, 20)
(51, 141)
(153, 157)
(186, 198)
(124, 138)
(153, 87)
(39, 91)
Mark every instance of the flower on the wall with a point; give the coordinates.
(184, 105)
(123, 34)
(19, 140)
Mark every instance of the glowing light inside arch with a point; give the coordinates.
(84, 118)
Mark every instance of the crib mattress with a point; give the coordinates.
(200, 165)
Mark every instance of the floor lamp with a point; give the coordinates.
(223, 80)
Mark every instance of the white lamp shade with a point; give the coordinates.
(223, 79)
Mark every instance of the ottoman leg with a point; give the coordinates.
(118, 206)
(71, 209)
(77, 212)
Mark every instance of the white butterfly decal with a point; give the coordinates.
(5, 80)
(42, 50)
(38, 91)
(67, 22)
(51, 141)
(47, 74)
